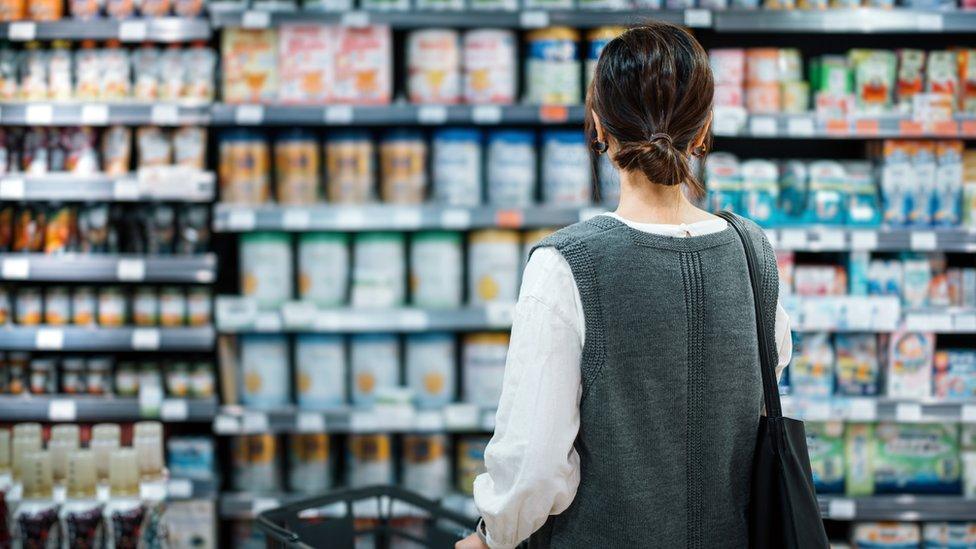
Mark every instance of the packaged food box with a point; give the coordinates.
(858, 373)
(363, 65)
(886, 535)
(949, 535)
(812, 369)
(305, 54)
(825, 444)
(916, 459)
(910, 357)
(250, 65)
(955, 374)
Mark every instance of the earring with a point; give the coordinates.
(599, 147)
(699, 151)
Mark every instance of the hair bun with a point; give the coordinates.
(657, 159)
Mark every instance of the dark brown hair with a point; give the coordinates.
(652, 90)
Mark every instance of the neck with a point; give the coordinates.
(646, 202)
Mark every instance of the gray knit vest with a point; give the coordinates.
(671, 387)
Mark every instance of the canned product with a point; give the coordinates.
(198, 306)
(244, 168)
(98, 373)
(493, 266)
(552, 70)
(430, 368)
(350, 167)
(369, 460)
(309, 467)
(266, 268)
(83, 306)
(323, 268)
(145, 307)
(111, 307)
(533, 237)
(178, 379)
(42, 376)
(484, 367)
(379, 270)
(19, 372)
(456, 166)
(426, 465)
(320, 366)
(172, 306)
(403, 170)
(202, 379)
(4, 380)
(598, 38)
(470, 462)
(30, 306)
(127, 379)
(297, 167)
(511, 168)
(490, 66)
(264, 370)
(375, 365)
(436, 262)
(73, 380)
(434, 66)
(255, 464)
(5, 315)
(57, 306)
(565, 168)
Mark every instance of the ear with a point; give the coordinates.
(702, 136)
(598, 126)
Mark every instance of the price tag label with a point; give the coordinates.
(941, 323)
(150, 400)
(338, 114)
(351, 219)
(226, 425)
(125, 189)
(486, 114)
(11, 188)
(553, 114)
(145, 339)
(179, 488)
(365, 422)
(268, 321)
(831, 239)
(39, 115)
(461, 416)
(412, 321)
(911, 128)
(908, 412)
(94, 114)
(21, 31)
(916, 321)
(129, 270)
(432, 114)
(429, 420)
(62, 410)
(407, 218)
(923, 241)
(838, 126)
(800, 127)
(256, 19)
(862, 409)
(533, 19)
(965, 323)
(864, 240)
(841, 509)
(241, 220)
(49, 339)
(152, 490)
(929, 22)
(867, 126)
(249, 115)
(698, 18)
(793, 239)
(133, 31)
(328, 322)
(307, 422)
(174, 409)
(817, 411)
(762, 126)
(298, 314)
(165, 115)
(254, 422)
(260, 505)
(509, 219)
(456, 219)
(296, 220)
(16, 268)
(355, 19)
(500, 315)
(968, 413)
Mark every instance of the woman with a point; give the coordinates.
(632, 391)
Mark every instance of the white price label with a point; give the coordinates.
(461, 416)
(817, 411)
(126, 189)
(350, 218)
(365, 422)
(249, 115)
(968, 413)
(432, 114)
(412, 321)
(698, 18)
(174, 409)
(268, 321)
(39, 115)
(456, 219)
(62, 410)
(941, 323)
(308, 422)
(799, 127)
(145, 339)
(762, 126)
(841, 509)
(226, 425)
(862, 409)
(338, 114)
(254, 422)
(864, 240)
(429, 420)
(355, 19)
(830, 239)
(298, 314)
(16, 268)
(260, 505)
(486, 114)
(22, 31)
(256, 19)
(328, 322)
(793, 239)
(916, 321)
(931, 22)
(296, 220)
(49, 339)
(500, 315)
(133, 31)
(533, 19)
(965, 323)
(94, 114)
(407, 218)
(923, 241)
(179, 488)
(165, 115)
(241, 220)
(11, 188)
(152, 490)
(908, 411)
(130, 270)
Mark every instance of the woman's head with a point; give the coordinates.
(650, 100)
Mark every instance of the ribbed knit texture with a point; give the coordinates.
(671, 387)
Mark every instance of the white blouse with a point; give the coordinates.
(533, 468)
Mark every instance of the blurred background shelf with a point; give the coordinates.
(824, 238)
(847, 21)
(103, 408)
(809, 126)
(393, 115)
(150, 185)
(37, 113)
(156, 29)
(867, 409)
(85, 338)
(80, 267)
(905, 508)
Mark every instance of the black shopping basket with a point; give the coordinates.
(378, 517)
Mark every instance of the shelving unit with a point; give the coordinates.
(393, 115)
(103, 114)
(156, 29)
(809, 126)
(104, 408)
(199, 269)
(84, 338)
(180, 186)
(845, 21)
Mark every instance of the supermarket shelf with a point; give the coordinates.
(809, 126)
(874, 314)
(178, 185)
(159, 29)
(103, 408)
(900, 508)
(817, 239)
(462, 19)
(191, 488)
(878, 409)
(393, 115)
(108, 268)
(847, 21)
(83, 338)
(234, 218)
(102, 114)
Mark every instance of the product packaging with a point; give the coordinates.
(910, 357)
(825, 444)
(858, 372)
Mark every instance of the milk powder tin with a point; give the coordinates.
(309, 463)
(57, 305)
(323, 268)
(375, 364)
(145, 307)
(484, 366)
(565, 168)
(456, 166)
(320, 369)
(369, 460)
(434, 66)
(30, 306)
(430, 366)
(511, 168)
(349, 167)
(172, 306)
(490, 66)
(199, 306)
(436, 260)
(266, 272)
(598, 38)
(111, 307)
(426, 465)
(533, 237)
(379, 270)
(552, 70)
(297, 167)
(403, 170)
(493, 266)
(255, 463)
(264, 370)
(244, 168)
(470, 461)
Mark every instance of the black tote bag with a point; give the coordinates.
(783, 508)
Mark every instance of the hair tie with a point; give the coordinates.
(662, 136)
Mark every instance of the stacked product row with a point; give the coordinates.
(40, 374)
(911, 183)
(108, 306)
(109, 72)
(907, 535)
(456, 167)
(52, 10)
(511, 5)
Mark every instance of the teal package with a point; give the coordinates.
(827, 200)
(916, 459)
(793, 179)
(863, 203)
(825, 445)
(724, 183)
(949, 535)
(760, 191)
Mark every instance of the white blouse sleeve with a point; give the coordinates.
(533, 468)
(784, 339)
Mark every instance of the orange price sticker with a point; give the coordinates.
(968, 128)
(553, 113)
(945, 128)
(508, 219)
(910, 127)
(867, 127)
(838, 126)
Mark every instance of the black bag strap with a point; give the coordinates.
(770, 386)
